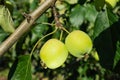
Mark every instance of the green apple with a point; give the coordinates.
(78, 43)
(53, 53)
(112, 3)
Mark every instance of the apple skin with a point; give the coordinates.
(112, 3)
(78, 43)
(53, 53)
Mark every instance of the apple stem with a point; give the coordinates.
(61, 34)
(45, 23)
(42, 39)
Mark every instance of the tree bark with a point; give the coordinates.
(25, 26)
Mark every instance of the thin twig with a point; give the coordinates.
(57, 22)
(55, 13)
(25, 26)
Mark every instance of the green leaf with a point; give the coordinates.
(117, 55)
(77, 15)
(39, 29)
(104, 46)
(99, 4)
(9, 5)
(71, 1)
(91, 13)
(106, 31)
(6, 21)
(23, 68)
(112, 17)
(3, 35)
(103, 21)
(115, 30)
(33, 4)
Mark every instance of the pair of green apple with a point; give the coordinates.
(54, 52)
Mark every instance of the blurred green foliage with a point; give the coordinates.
(100, 22)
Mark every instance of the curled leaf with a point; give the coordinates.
(6, 21)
